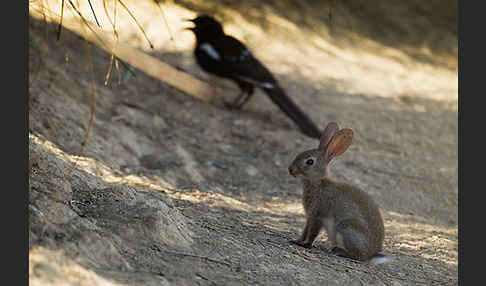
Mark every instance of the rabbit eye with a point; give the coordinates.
(309, 161)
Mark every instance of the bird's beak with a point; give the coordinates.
(190, 28)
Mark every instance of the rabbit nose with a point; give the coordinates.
(293, 171)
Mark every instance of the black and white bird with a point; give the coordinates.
(225, 56)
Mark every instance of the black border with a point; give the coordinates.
(16, 95)
(14, 118)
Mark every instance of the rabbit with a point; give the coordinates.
(350, 216)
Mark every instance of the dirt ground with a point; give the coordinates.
(172, 190)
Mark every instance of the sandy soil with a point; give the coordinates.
(171, 190)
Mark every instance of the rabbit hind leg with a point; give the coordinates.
(351, 237)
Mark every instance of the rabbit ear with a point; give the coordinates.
(339, 143)
(328, 133)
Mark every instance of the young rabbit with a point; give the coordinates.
(350, 216)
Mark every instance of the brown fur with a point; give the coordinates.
(350, 216)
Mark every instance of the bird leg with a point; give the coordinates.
(235, 104)
(243, 101)
(246, 93)
(240, 100)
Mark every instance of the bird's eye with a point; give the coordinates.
(309, 161)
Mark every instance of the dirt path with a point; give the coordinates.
(174, 191)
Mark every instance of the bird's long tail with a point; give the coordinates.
(288, 106)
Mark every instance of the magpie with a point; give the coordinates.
(226, 57)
